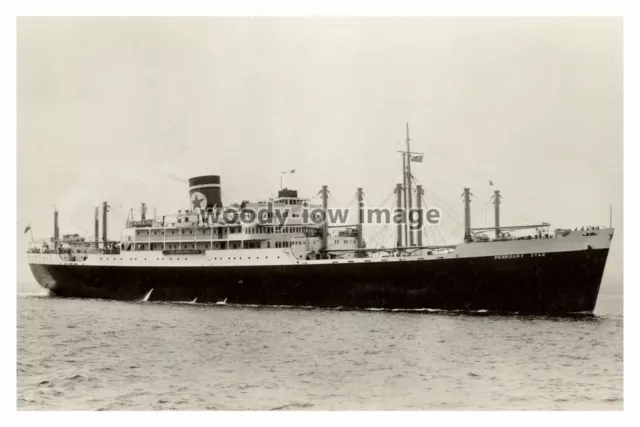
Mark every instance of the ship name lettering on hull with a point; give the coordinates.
(512, 256)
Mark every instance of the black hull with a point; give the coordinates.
(557, 283)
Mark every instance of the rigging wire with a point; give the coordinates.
(436, 227)
(448, 209)
(386, 200)
(384, 233)
(224, 196)
(316, 195)
(375, 236)
(442, 238)
(517, 189)
(78, 227)
(455, 231)
(456, 218)
(426, 235)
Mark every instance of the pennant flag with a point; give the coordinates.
(417, 159)
(27, 228)
(290, 171)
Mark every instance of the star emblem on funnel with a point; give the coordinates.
(198, 199)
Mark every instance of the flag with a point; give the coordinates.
(291, 171)
(490, 182)
(418, 158)
(27, 228)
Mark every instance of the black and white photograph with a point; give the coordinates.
(319, 213)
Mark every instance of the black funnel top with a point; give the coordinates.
(205, 192)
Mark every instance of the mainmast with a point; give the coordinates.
(409, 189)
(405, 158)
(407, 178)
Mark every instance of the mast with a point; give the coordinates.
(409, 190)
(419, 193)
(360, 217)
(105, 209)
(325, 207)
(404, 190)
(467, 214)
(96, 226)
(496, 202)
(610, 215)
(56, 230)
(399, 207)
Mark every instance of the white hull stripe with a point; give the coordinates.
(264, 257)
(195, 187)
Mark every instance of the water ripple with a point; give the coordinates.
(108, 355)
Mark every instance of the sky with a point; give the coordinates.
(127, 109)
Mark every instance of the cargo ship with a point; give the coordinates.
(284, 257)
